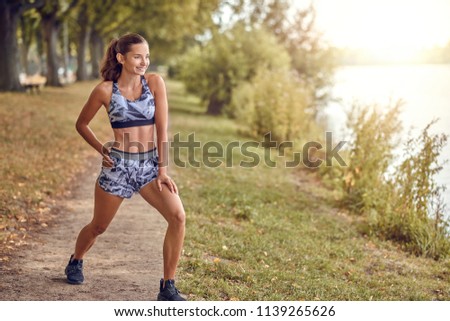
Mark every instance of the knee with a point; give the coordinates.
(98, 229)
(178, 218)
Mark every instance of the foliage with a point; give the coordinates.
(169, 26)
(312, 58)
(404, 202)
(274, 101)
(373, 132)
(417, 214)
(215, 69)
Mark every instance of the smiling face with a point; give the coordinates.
(135, 61)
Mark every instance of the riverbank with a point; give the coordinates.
(273, 234)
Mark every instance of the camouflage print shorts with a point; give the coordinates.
(131, 171)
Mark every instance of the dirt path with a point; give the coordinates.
(125, 263)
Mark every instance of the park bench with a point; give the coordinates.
(33, 83)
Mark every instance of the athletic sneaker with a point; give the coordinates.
(74, 271)
(169, 292)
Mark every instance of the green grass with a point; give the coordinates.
(252, 233)
(273, 234)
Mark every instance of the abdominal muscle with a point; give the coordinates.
(134, 139)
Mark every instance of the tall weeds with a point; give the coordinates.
(416, 216)
(374, 132)
(404, 202)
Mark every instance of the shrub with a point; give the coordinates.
(373, 132)
(417, 216)
(407, 207)
(274, 101)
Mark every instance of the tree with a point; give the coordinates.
(10, 11)
(29, 23)
(215, 69)
(52, 17)
(99, 18)
(312, 59)
(158, 21)
(167, 25)
(83, 41)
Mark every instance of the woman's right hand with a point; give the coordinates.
(107, 160)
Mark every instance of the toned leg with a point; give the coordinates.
(105, 207)
(171, 208)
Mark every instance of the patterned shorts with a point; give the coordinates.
(131, 171)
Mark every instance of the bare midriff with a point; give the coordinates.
(134, 139)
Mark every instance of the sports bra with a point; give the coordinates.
(130, 113)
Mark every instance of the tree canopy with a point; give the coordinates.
(59, 30)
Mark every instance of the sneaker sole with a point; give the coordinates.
(74, 282)
(161, 298)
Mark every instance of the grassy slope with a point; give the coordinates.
(273, 234)
(252, 234)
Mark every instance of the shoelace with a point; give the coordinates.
(77, 266)
(174, 291)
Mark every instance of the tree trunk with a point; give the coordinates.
(65, 50)
(83, 40)
(215, 105)
(51, 27)
(24, 59)
(96, 45)
(39, 49)
(25, 47)
(9, 70)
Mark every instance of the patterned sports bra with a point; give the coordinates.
(127, 113)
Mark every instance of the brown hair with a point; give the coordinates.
(111, 68)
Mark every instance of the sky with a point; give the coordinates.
(392, 26)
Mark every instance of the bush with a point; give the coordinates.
(274, 101)
(407, 207)
(373, 134)
(417, 215)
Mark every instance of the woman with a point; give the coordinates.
(136, 102)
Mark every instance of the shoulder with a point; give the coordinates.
(155, 81)
(102, 91)
(104, 87)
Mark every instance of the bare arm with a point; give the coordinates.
(93, 104)
(161, 121)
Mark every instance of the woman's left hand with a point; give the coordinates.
(165, 179)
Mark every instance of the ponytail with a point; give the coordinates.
(111, 68)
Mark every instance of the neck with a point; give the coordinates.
(129, 80)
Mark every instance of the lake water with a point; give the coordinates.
(424, 88)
